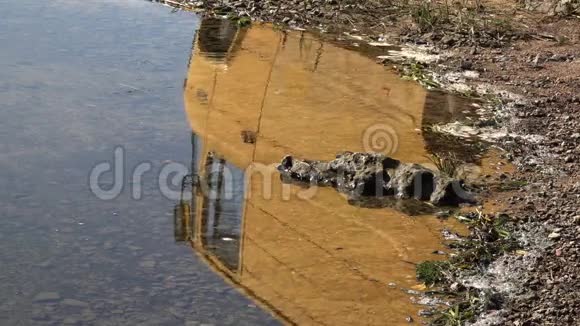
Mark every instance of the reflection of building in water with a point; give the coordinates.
(442, 108)
(217, 228)
(314, 259)
(218, 38)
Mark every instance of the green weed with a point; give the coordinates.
(418, 72)
(460, 313)
(244, 21)
(432, 272)
(241, 21)
(490, 237)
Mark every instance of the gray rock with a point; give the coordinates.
(450, 192)
(413, 181)
(376, 175)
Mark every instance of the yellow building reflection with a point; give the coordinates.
(255, 95)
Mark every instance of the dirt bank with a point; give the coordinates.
(521, 57)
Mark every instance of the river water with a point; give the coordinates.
(115, 113)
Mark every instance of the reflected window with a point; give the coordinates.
(219, 190)
(223, 202)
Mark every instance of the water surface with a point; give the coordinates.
(77, 80)
(82, 80)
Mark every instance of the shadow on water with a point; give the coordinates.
(251, 97)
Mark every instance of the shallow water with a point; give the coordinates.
(77, 79)
(89, 83)
(255, 95)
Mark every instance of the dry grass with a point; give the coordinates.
(472, 17)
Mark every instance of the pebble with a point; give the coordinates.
(148, 264)
(89, 315)
(71, 321)
(46, 297)
(425, 313)
(191, 323)
(74, 303)
(45, 264)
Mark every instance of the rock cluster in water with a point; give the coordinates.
(376, 175)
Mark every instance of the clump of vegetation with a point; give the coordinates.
(418, 72)
(487, 227)
(469, 304)
(489, 238)
(241, 21)
(432, 272)
(461, 21)
(463, 311)
(244, 21)
(474, 253)
(448, 164)
(427, 15)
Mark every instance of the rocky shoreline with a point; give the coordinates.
(522, 59)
